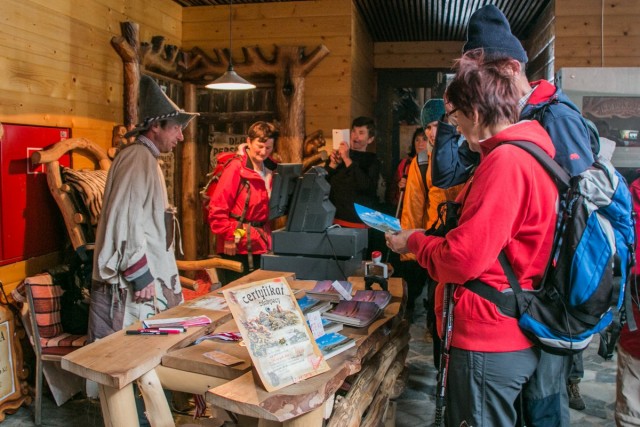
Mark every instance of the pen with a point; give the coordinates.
(167, 330)
(147, 333)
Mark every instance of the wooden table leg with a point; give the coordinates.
(118, 406)
(310, 419)
(155, 401)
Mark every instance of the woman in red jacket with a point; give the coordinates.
(239, 206)
(509, 205)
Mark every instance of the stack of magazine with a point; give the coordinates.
(381, 298)
(354, 313)
(329, 326)
(308, 305)
(324, 290)
(332, 344)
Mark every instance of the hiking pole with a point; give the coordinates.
(399, 208)
(445, 345)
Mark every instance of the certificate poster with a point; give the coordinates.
(7, 383)
(275, 332)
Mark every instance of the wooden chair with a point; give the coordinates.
(41, 317)
(78, 194)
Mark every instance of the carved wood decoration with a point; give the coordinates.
(14, 390)
(127, 47)
(289, 65)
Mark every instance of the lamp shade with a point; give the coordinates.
(230, 80)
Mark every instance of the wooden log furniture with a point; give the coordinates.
(116, 361)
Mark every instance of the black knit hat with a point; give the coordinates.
(489, 29)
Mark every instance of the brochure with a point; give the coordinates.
(340, 135)
(176, 322)
(326, 290)
(381, 298)
(378, 220)
(275, 332)
(334, 343)
(354, 313)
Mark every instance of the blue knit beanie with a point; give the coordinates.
(489, 29)
(433, 110)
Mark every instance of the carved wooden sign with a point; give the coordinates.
(13, 386)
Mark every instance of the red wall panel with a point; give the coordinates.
(30, 221)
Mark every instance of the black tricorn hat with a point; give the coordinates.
(154, 104)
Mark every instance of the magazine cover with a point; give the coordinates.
(381, 298)
(325, 290)
(275, 332)
(332, 344)
(378, 220)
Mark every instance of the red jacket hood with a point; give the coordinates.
(544, 91)
(526, 130)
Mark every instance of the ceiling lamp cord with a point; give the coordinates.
(230, 80)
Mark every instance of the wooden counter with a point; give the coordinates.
(165, 361)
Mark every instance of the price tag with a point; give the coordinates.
(223, 358)
(315, 323)
(342, 291)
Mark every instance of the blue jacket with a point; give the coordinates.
(453, 161)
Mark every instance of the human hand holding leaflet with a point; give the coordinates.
(397, 242)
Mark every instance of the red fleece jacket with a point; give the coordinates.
(510, 204)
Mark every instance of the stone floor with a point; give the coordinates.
(415, 407)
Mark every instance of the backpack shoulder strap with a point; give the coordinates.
(557, 173)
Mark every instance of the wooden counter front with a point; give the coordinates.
(243, 396)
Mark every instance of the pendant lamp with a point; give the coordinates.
(230, 80)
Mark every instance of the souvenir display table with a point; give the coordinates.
(158, 362)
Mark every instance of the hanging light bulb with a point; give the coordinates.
(230, 80)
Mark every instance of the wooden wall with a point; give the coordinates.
(590, 35)
(58, 69)
(306, 23)
(413, 55)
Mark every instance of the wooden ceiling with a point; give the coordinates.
(423, 20)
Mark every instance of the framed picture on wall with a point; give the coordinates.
(618, 119)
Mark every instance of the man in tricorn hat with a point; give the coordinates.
(134, 265)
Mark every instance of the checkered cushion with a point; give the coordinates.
(46, 301)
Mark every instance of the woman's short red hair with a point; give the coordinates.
(486, 87)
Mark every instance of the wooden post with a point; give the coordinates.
(189, 178)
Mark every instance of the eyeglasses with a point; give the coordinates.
(452, 120)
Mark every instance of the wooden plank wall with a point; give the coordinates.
(412, 55)
(308, 23)
(590, 35)
(58, 69)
